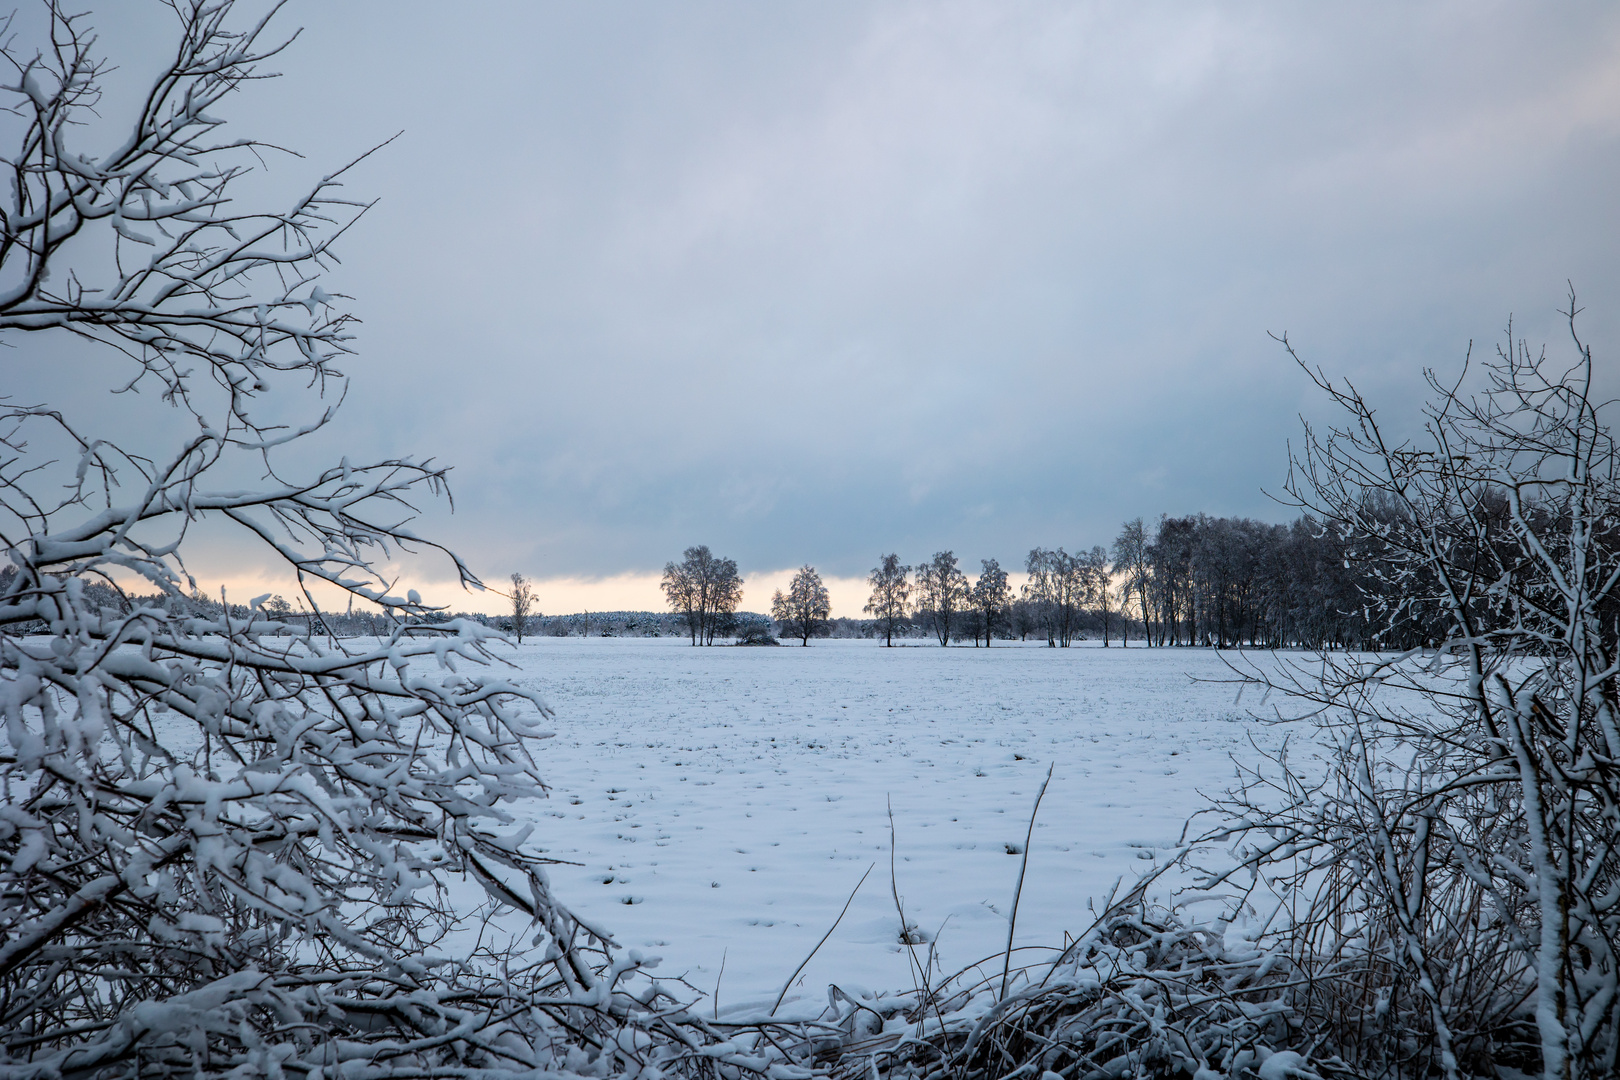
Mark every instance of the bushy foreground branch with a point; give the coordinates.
(1438, 895)
(1143, 993)
(232, 846)
(228, 844)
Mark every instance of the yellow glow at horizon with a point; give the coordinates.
(554, 596)
(562, 595)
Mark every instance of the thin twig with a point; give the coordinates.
(1018, 891)
(806, 960)
(717, 979)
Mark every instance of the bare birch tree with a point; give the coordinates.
(991, 596)
(725, 595)
(804, 609)
(1099, 585)
(683, 592)
(942, 592)
(1041, 591)
(1131, 562)
(891, 591)
(706, 590)
(1058, 587)
(522, 597)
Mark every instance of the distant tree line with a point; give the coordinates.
(1208, 581)
(1227, 582)
(1064, 597)
(1221, 582)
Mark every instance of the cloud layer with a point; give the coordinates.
(810, 282)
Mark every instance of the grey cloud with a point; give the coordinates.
(810, 281)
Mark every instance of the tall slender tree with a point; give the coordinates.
(942, 592)
(725, 594)
(1058, 588)
(891, 590)
(1040, 592)
(991, 597)
(1171, 558)
(522, 597)
(683, 592)
(1099, 586)
(1131, 562)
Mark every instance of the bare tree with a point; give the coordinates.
(803, 611)
(522, 597)
(1131, 561)
(891, 590)
(991, 596)
(1099, 585)
(228, 845)
(1171, 555)
(942, 592)
(1041, 591)
(1459, 861)
(706, 590)
(1058, 587)
(683, 591)
(725, 594)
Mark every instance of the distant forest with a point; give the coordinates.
(1214, 582)
(1226, 582)
(1217, 582)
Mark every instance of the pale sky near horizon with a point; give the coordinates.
(811, 282)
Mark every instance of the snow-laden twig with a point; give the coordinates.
(841, 913)
(1018, 889)
(232, 844)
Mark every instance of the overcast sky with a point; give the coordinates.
(811, 282)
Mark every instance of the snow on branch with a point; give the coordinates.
(230, 843)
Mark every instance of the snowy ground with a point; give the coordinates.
(723, 802)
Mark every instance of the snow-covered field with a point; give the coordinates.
(723, 802)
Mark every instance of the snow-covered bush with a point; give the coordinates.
(232, 844)
(1440, 897)
(1142, 993)
(756, 634)
(1452, 884)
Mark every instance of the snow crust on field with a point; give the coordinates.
(723, 802)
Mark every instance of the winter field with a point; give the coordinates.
(721, 803)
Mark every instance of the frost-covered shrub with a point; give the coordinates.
(233, 843)
(757, 634)
(1142, 993)
(1452, 883)
(1440, 896)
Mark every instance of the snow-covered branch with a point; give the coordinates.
(230, 844)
